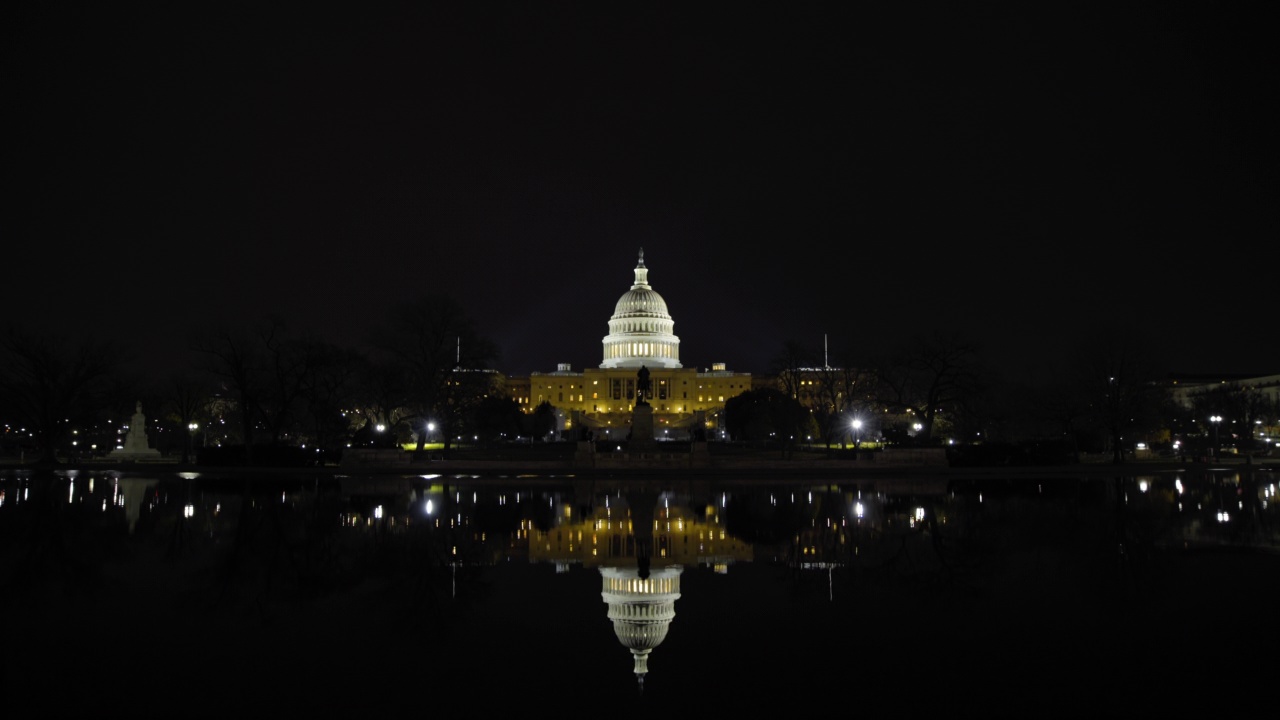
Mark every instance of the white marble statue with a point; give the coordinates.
(135, 442)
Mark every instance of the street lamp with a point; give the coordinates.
(1215, 419)
(191, 439)
(857, 435)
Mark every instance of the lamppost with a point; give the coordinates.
(1214, 420)
(857, 434)
(191, 440)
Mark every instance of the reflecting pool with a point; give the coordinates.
(215, 594)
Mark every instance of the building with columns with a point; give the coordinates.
(598, 402)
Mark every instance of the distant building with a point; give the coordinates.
(600, 400)
(1186, 387)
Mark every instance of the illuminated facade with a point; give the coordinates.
(601, 400)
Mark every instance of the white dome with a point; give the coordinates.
(640, 331)
(641, 302)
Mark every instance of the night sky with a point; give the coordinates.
(1028, 176)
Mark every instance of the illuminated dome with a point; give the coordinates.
(640, 329)
(641, 609)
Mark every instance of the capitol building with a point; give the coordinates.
(599, 402)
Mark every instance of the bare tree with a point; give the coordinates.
(830, 392)
(931, 377)
(329, 384)
(236, 360)
(382, 395)
(445, 360)
(49, 386)
(791, 367)
(1121, 386)
(841, 392)
(290, 362)
(186, 400)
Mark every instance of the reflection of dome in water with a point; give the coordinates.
(640, 539)
(640, 331)
(641, 608)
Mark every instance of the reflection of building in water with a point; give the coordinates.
(613, 534)
(640, 541)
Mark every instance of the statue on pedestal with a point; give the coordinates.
(642, 386)
(135, 442)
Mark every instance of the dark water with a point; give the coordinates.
(215, 595)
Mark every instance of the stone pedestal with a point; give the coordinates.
(700, 456)
(585, 454)
(642, 429)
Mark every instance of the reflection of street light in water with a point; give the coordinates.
(1215, 419)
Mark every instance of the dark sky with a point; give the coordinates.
(1026, 174)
